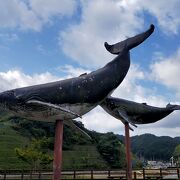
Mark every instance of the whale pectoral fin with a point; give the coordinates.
(53, 106)
(131, 128)
(126, 118)
(70, 123)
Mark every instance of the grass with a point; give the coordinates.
(83, 157)
(9, 140)
(80, 157)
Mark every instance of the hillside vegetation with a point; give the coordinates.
(103, 151)
(151, 147)
(79, 152)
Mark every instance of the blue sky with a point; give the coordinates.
(47, 40)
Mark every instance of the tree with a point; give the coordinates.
(112, 150)
(177, 155)
(35, 154)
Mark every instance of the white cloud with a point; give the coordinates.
(167, 13)
(100, 21)
(15, 79)
(166, 71)
(100, 17)
(33, 14)
(15, 13)
(113, 21)
(132, 89)
(41, 49)
(8, 37)
(46, 9)
(70, 71)
(98, 120)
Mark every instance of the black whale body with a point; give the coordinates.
(71, 98)
(90, 88)
(136, 113)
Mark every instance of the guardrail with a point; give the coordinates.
(169, 173)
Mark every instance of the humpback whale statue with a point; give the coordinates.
(136, 113)
(72, 98)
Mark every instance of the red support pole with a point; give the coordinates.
(57, 164)
(128, 152)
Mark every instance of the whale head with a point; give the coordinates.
(7, 100)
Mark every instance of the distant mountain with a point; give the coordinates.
(152, 147)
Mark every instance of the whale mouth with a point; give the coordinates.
(7, 99)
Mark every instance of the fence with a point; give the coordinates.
(168, 173)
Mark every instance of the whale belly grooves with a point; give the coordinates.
(48, 114)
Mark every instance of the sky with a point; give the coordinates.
(47, 40)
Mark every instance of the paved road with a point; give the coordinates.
(171, 177)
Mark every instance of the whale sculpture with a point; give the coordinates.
(72, 98)
(136, 113)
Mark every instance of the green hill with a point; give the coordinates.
(83, 157)
(9, 140)
(152, 147)
(79, 152)
(103, 151)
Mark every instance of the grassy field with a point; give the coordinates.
(83, 157)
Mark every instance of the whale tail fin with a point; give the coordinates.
(130, 42)
(173, 107)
